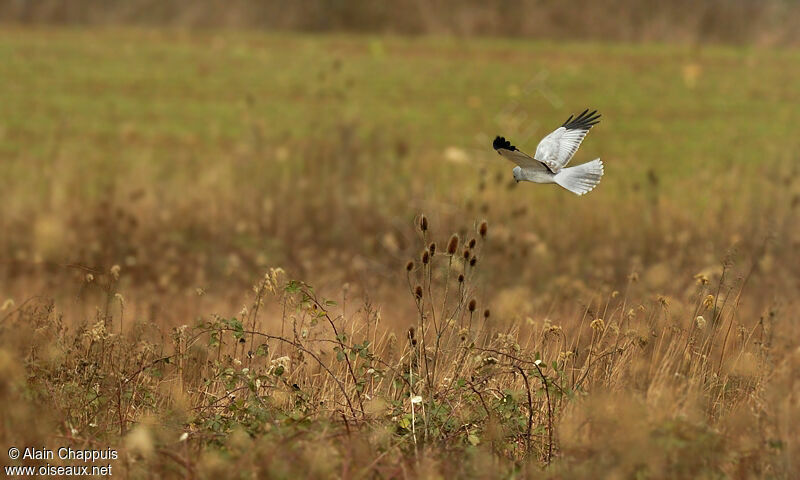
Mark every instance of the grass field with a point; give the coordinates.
(149, 179)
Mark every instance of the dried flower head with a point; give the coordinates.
(432, 248)
(466, 254)
(486, 313)
(452, 245)
(460, 278)
(598, 324)
(418, 291)
(423, 223)
(708, 302)
(701, 279)
(115, 271)
(425, 257)
(700, 322)
(411, 332)
(473, 261)
(410, 265)
(472, 243)
(483, 228)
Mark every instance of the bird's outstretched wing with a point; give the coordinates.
(557, 149)
(517, 156)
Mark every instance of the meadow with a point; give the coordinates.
(285, 255)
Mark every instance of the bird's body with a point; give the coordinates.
(553, 154)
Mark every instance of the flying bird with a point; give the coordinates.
(553, 154)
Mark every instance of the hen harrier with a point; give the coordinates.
(553, 154)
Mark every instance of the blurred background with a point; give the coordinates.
(196, 144)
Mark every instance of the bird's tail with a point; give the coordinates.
(581, 179)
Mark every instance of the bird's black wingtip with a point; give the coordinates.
(584, 121)
(501, 142)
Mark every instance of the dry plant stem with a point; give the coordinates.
(341, 345)
(549, 415)
(733, 316)
(530, 409)
(300, 347)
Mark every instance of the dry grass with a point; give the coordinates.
(299, 385)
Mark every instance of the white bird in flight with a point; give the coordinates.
(554, 153)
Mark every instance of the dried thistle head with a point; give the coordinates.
(411, 333)
(472, 305)
(700, 322)
(483, 228)
(418, 291)
(473, 261)
(432, 248)
(452, 245)
(423, 223)
(598, 324)
(410, 265)
(466, 254)
(486, 313)
(425, 257)
(472, 243)
(708, 302)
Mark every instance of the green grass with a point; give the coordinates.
(183, 99)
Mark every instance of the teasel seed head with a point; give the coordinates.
(483, 228)
(472, 305)
(460, 278)
(423, 223)
(486, 313)
(472, 243)
(466, 254)
(425, 257)
(410, 265)
(452, 245)
(411, 333)
(418, 292)
(473, 261)
(432, 248)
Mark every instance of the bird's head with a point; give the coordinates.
(517, 173)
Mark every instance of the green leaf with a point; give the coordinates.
(473, 439)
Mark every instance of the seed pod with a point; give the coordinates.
(411, 333)
(432, 248)
(423, 223)
(483, 228)
(486, 313)
(473, 261)
(418, 291)
(460, 278)
(452, 245)
(466, 254)
(425, 257)
(472, 243)
(472, 305)
(410, 265)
